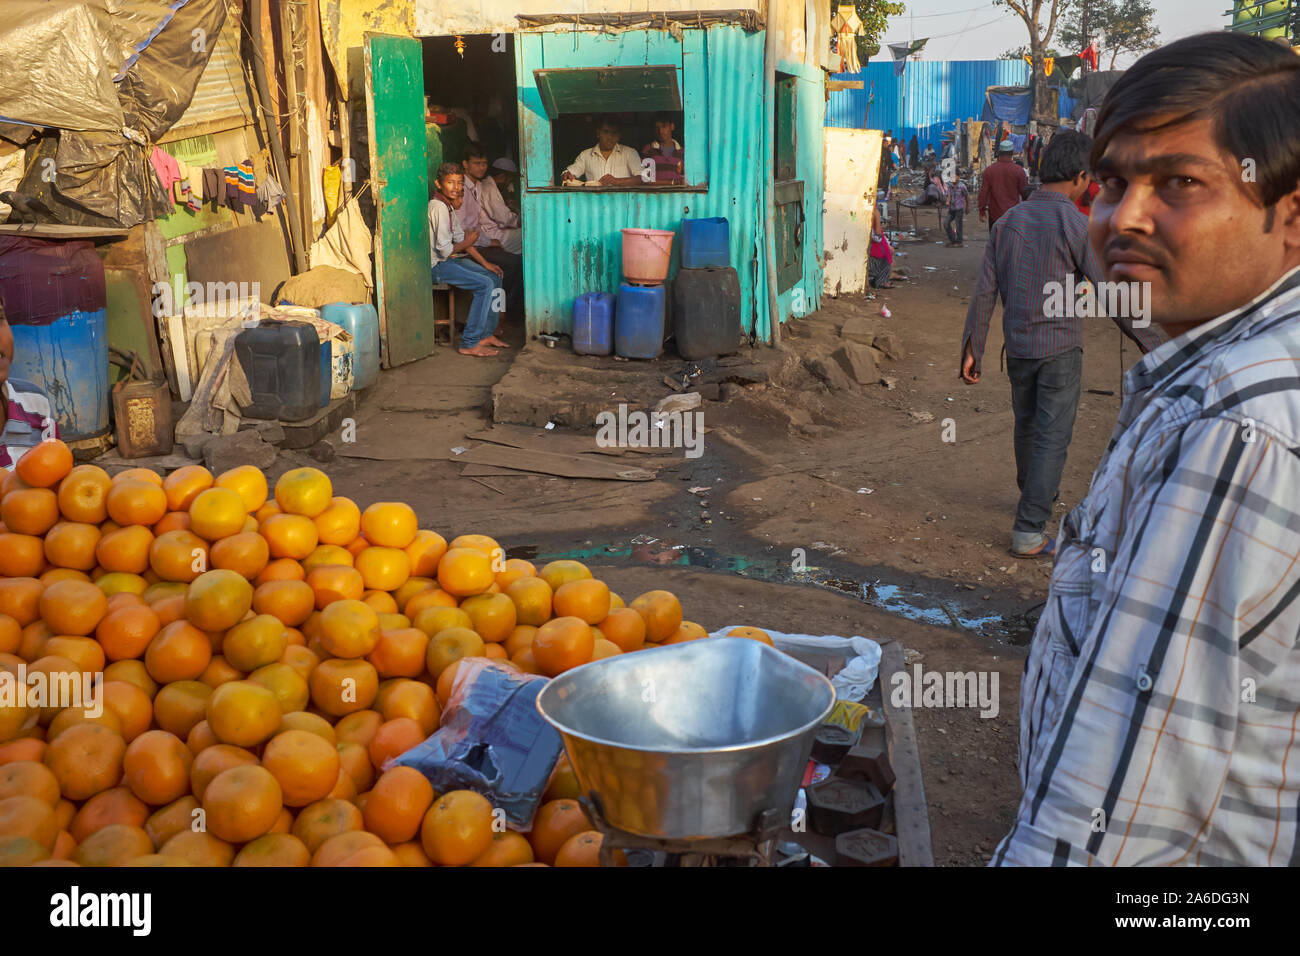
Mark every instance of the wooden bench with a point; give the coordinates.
(444, 311)
(899, 205)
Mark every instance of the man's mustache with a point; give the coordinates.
(1134, 248)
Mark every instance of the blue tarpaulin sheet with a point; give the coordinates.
(1012, 108)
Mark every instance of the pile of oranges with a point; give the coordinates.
(248, 662)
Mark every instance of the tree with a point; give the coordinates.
(1031, 12)
(1119, 26)
(873, 14)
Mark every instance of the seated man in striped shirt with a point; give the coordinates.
(1158, 712)
(25, 413)
(1037, 255)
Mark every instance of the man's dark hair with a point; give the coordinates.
(665, 118)
(610, 121)
(1247, 86)
(475, 151)
(449, 169)
(1065, 156)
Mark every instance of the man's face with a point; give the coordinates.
(607, 137)
(6, 350)
(1173, 212)
(664, 130)
(476, 167)
(453, 186)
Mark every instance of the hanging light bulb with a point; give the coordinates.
(459, 44)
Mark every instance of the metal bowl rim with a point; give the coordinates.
(733, 748)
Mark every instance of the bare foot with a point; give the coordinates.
(479, 351)
(493, 340)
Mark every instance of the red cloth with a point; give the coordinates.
(1004, 184)
(1085, 202)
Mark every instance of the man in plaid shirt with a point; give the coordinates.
(1161, 700)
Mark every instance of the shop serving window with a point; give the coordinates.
(618, 128)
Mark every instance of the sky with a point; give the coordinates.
(974, 30)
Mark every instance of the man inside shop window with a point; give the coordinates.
(666, 153)
(608, 162)
(26, 416)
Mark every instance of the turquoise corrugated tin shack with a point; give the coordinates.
(749, 139)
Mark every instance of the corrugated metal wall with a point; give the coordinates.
(572, 238)
(939, 92)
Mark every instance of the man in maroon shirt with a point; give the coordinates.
(1005, 184)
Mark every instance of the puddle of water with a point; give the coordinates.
(891, 598)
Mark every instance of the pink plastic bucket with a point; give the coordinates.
(645, 255)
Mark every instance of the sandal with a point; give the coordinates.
(1046, 550)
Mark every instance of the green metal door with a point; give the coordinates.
(398, 171)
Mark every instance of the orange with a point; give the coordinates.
(357, 545)
(243, 713)
(132, 706)
(289, 687)
(585, 598)
(349, 629)
(201, 737)
(254, 642)
(220, 671)
(180, 705)
(20, 597)
(172, 521)
(533, 600)
(115, 845)
(211, 761)
(166, 822)
(26, 816)
(247, 482)
(24, 748)
(126, 549)
(24, 851)
(11, 634)
(562, 643)
(752, 633)
(73, 607)
(304, 491)
(409, 698)
(515, 568)
(326, 554)
(447, 681)
(71, 716)
(30, 510)
(425, 552)
(624, 627)
(291, 602)
(132, 672)
(281, 569)
(411, 853)
(198, 848)
(524, 661)
(496, 652)
(136, 502)
(21, 555)
(563, 783)
(399, 652)
(410, 588)
(289, 536)
(242, 803)
(43, 465)
(583, 849)
(268, 509)
(465, 571)
(394, 738)
(386, 524)
(457, 828)
(178, 556)
(397, 805)
(382, 602)
(384, 569)
(312, 723)
(686, 631)
(302, 660)
(73, 546)
(335, 582)
(506, 849)
(217, 513)
(603, 649)
(305, 764)
(436, 619)
(557, 573)
(84, 652)
(354, 849)
(450, 645)
(87, 759)
(662, 613)
(29, 778)
(246, 553)
(147, 475)
(324, 819)
(218, 599)
(356, 764)
(358, 727)
(118, 805)
(340, 687)
(63, 574)
(521, 637)
(185, 484)
(157, 767)
(615, 601)
(273, 849)
(480, 542)
(83, 494)
(339, 523)
(554, 824)
(492, 616)
(180, 651)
